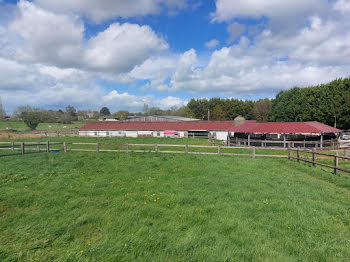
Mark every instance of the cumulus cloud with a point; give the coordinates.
(122, 46)
(342, 6)
(57, 40)
(281, 10)
(235, 30)
(114, 100)
(47, 37)
(46, 59)
(274, 58)
(99, 10)
(212, 43)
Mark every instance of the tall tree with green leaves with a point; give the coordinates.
(218, 114)
(105, 111)
(262, 109)
(327, 103)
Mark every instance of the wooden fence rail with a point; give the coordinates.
(25, 147)
(30, 147)
(283, 143)
(314, 155)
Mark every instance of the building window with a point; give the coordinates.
(107, 133)
(95, 133)
(158, 133)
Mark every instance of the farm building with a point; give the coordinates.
(283, 134)
(205, 129)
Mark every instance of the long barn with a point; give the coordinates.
(215, 129)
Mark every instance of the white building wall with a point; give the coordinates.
(219, 135)
(130, 133)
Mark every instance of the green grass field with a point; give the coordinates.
(155, 207)
(21, 126)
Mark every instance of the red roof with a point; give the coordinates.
(284, 128)
(158, 126)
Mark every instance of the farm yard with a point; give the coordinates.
(92, 206)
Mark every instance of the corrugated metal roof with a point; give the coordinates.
(284, 128)
(159, 126)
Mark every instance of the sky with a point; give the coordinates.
(125, 53)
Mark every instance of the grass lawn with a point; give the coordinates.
(154, 207)
(21, 126)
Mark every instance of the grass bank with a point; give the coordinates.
(153, 207)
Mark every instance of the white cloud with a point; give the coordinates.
(99, 10)
(57, 40)
(171, 101)
(47, 37)
(116, 100)
(342, 6)
(246, 69)
(122, 46)
(212, 43)
(235, 30)
(281, 10)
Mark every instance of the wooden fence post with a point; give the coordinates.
(38, 148)
(127, 148)
(290, 152)
(13, 146)
(253, 153)
(346, 154)
(22, 148)
(186, 148)
(298, 154)
(156, 148)
(314, 156)
(219, 150)
(47, 146)
(335, 163)
(65, 146)
(97, 147)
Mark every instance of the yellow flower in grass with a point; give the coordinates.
(145, 203)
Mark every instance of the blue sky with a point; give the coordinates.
(124, 53)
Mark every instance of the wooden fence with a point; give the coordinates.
(20, 148)
(325, 144)
(26, 147)
(312, 159)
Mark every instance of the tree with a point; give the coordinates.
(327, 103)
(71, 110)
(262, 109)
(72, 114)
(122, 115)
(218, 113)
(145, 109)
(32, 117)
(185, 112)
(105, 111)
(2, 111)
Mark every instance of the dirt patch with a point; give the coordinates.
(11, 135)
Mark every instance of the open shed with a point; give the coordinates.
(283, 134)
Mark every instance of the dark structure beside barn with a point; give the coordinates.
(283, 134)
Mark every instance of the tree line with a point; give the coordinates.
(327, 103)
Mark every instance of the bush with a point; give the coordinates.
(32, 119)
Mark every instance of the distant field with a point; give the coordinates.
(155, 207)
(21, 126)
